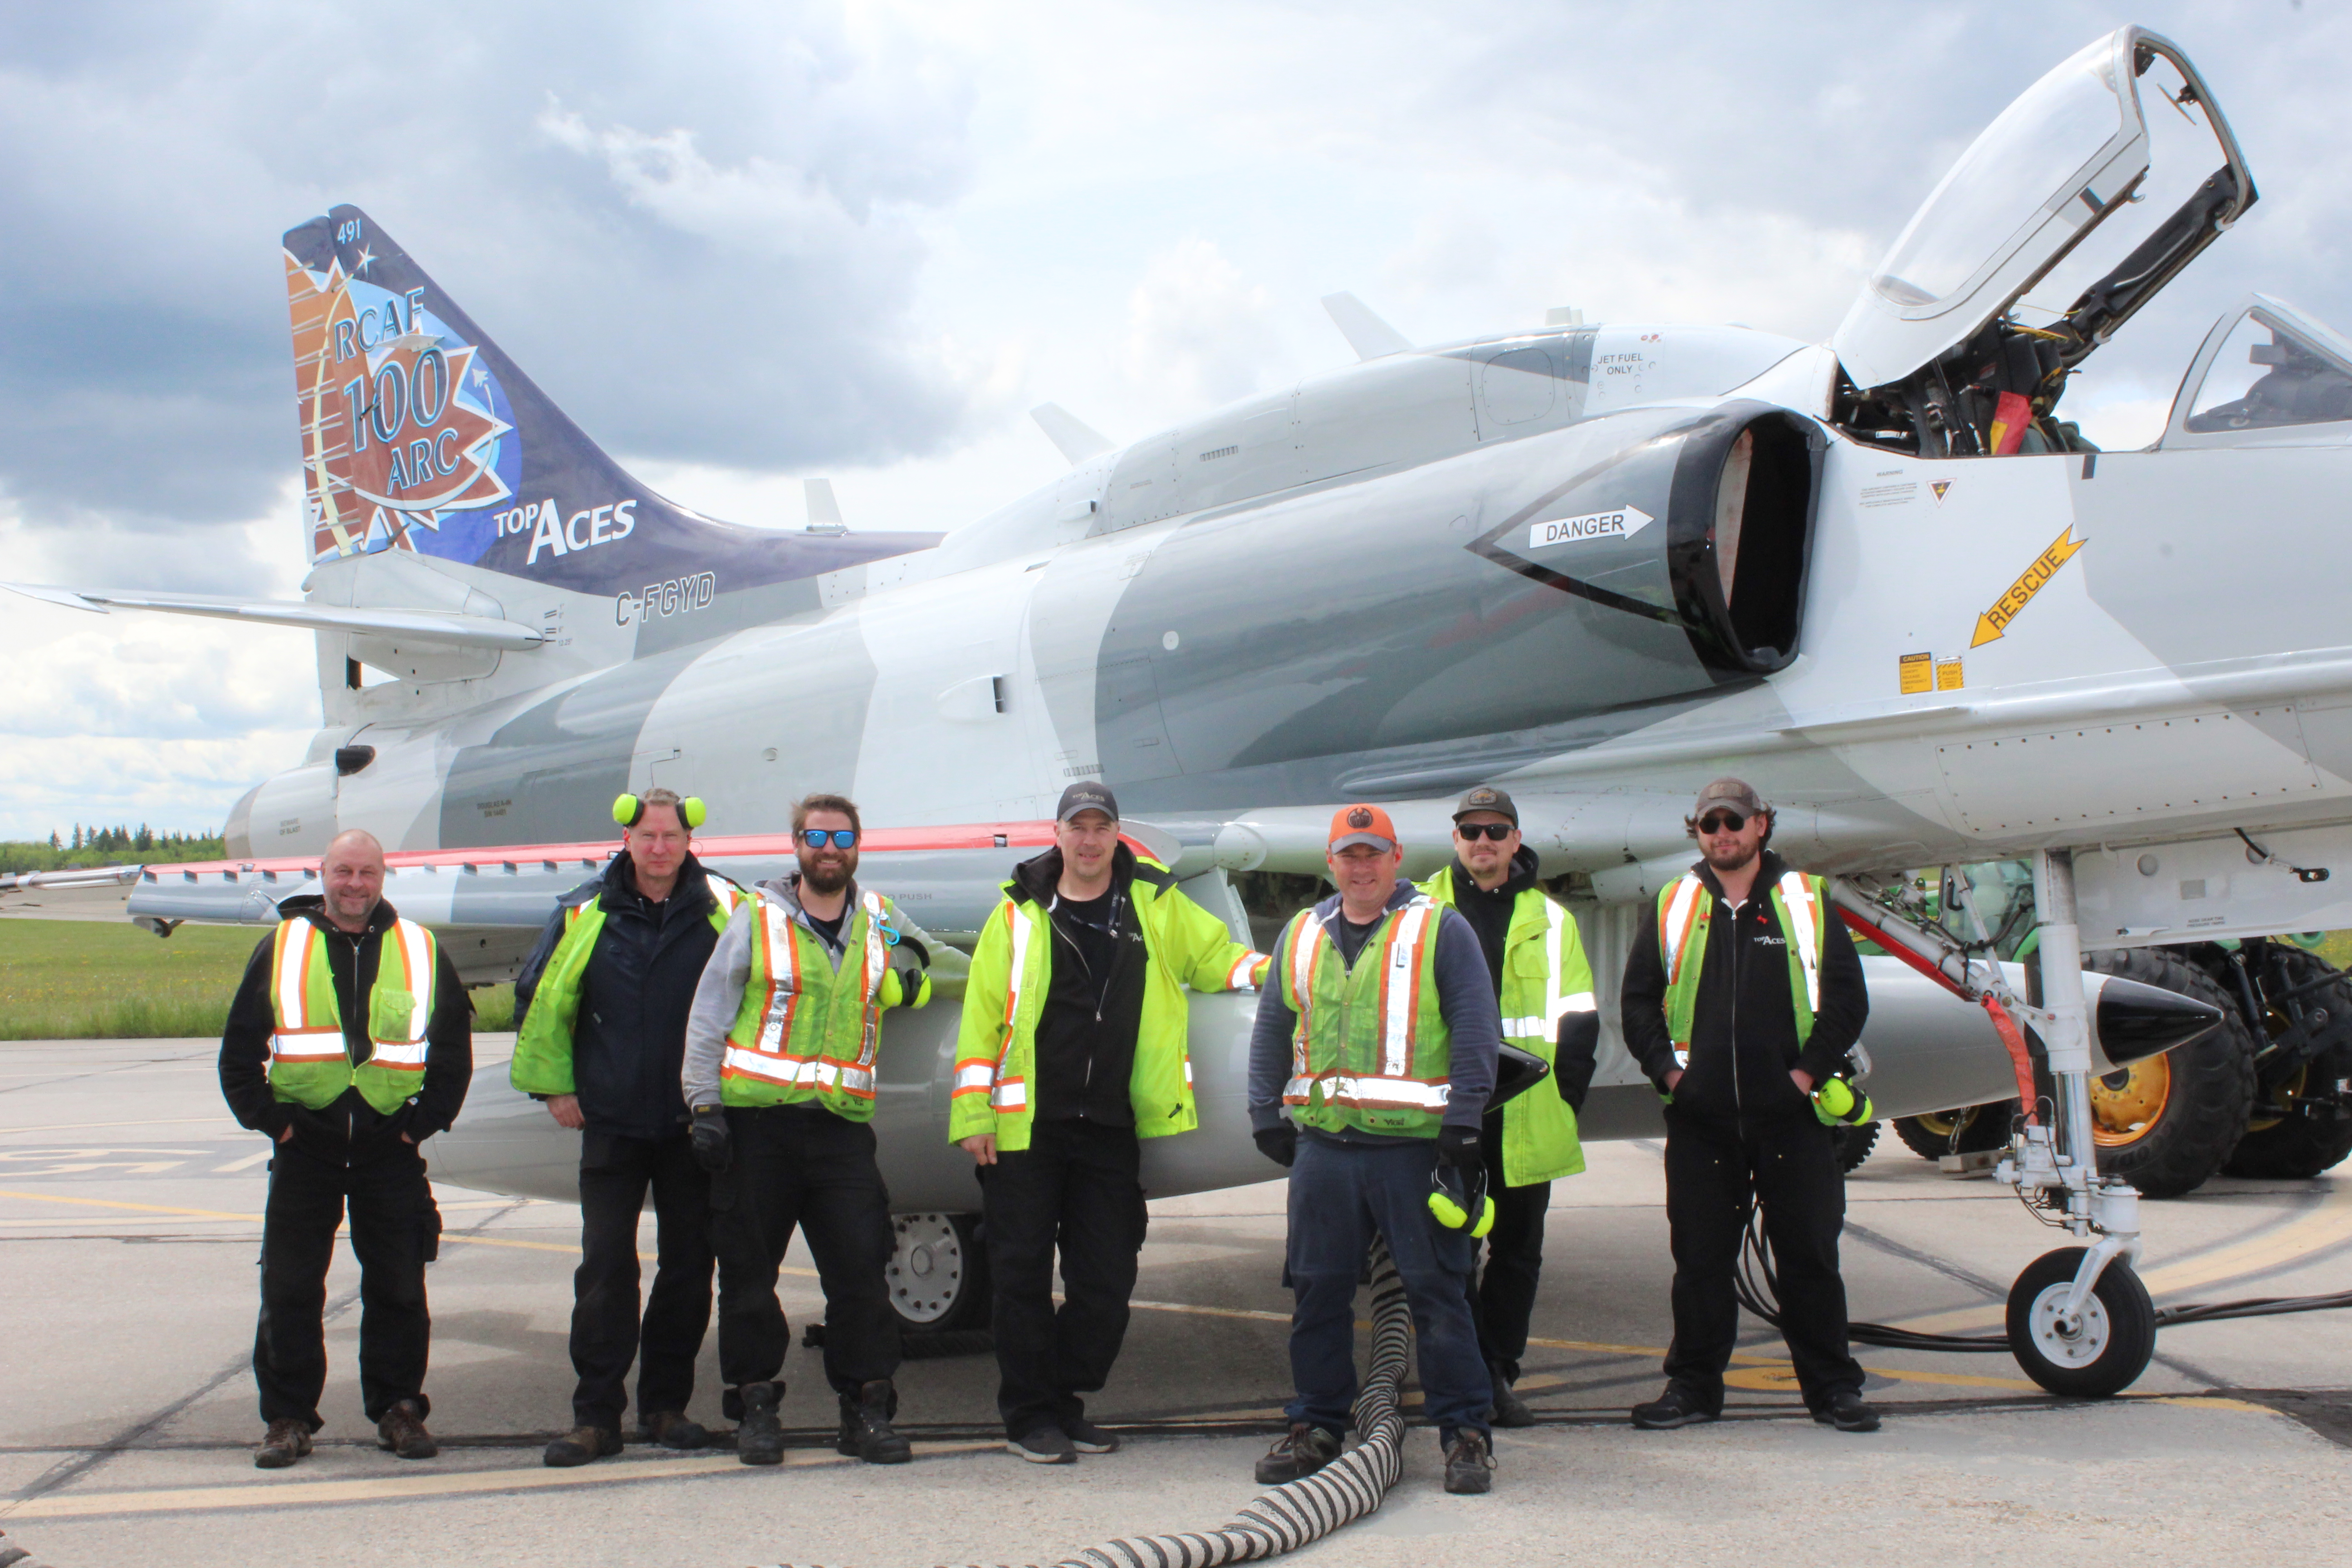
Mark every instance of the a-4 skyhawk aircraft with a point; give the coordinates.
(1598, 564)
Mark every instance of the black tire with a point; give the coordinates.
(2308, 1140)
(2203, 1093)
(1982, 1128)
(1853, 1144)
(2112, 1343)
(937, 1278)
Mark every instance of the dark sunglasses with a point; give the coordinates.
(1472, 832)
(1722, 821)
(843, 837)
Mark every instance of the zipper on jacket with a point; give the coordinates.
(1738, 1102)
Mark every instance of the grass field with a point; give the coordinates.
(71, 980)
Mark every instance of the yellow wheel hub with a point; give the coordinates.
(2127, 1113)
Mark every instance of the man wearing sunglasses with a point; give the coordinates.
(1743, 996)
(1536, 959)
(780, 1053)
(1072, 1049)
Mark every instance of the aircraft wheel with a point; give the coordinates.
(1853, 1144)
(1982, 1127)
(2167, 1123)
(937, 1276)
(2108, 1346)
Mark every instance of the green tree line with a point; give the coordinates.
(109, 846)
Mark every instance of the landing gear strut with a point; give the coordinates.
(2079, 1321)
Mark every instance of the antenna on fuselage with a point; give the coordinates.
(1365, 333)
(824, 512)
(1074, 438)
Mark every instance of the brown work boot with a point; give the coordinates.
(1305, 1451)
(287, 1441)
(579, 1446)
(674, 1429)
(403, 1432)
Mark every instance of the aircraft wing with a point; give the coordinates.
(416, 625)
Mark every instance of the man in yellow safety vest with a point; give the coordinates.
(1377, 1034)
(1743, 998)
(350, 1042)
(780, 1080)
(1536, 959)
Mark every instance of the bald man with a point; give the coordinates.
(349, 1044)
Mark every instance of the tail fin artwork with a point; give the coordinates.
(419, 434)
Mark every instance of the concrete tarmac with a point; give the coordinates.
(130, 1208)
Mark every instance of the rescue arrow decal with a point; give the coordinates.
(1995, 621)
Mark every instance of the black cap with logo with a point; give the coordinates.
(1086, 795)
(1486, 797)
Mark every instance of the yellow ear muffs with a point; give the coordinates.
(628, 810)
(691, 811)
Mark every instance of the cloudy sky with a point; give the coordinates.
(747, 244)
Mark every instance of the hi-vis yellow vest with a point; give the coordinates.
(308, 1062)
(1545, 978)
(1686, 909)
(806, 1030)
(1370, 1048)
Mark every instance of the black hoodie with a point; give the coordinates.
(1094, 996)
(349, 1131)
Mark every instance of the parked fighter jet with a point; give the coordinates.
(1878, 577)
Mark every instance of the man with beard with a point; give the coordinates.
(779, 1073)
(1536, 959)
(601, 1008)
(1743, 996)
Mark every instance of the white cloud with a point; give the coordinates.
(1198, 333)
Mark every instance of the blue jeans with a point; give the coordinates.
(1339, 1197)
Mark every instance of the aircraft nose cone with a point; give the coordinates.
(2136, 1021)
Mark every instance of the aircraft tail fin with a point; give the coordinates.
(419, 434)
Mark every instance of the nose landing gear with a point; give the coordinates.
(2086, 1351)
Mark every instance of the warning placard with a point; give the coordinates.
(1915, 673)
(1994, 622)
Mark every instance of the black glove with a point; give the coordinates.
(1573, 1059)
(709, 1135)
(1278, 1144)
(1460, 1147)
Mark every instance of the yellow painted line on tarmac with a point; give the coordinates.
(2326, 1223)
(2204, 1401)
(119, 1204)
(1903, 1375)
(409, 1487)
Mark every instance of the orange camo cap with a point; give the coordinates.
(1361, 824)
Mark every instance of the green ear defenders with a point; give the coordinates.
(628, 810)
(1454, 1195)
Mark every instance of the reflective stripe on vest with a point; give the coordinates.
(981, 1075)
(305, 1035)
(1682, 925)
(1558, 1004)
(298, 1037)
(770, 1058)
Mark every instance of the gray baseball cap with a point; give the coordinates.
(1734, 794)
(1086, 795)
(1486, 797)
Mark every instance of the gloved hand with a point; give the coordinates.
(1459, 1147)
(1839, 1104)
(1279, 1144)
(711, 1149)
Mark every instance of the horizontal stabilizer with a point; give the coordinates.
(414, 625)
(1078, 440)
(1365, 333)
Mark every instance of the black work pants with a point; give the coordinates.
(801, 1166)
(1504, 1297)
(615, 1170)
(395, 1230)
(1714, 1175)
(1074, 1188)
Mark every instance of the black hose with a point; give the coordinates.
(1760, 1291)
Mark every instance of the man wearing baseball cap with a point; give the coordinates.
(1072, 1049)
(1376, 1034)
(1743, 996)
(1534, 959)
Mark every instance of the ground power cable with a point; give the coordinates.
(1758, 1290)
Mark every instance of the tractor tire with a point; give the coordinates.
(1982, 1127)
(2300, 1145)
(1853, 1144)
(2168, 1123)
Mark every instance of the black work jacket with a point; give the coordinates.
(628, 1040)
(349, 1131)
(1744, 1025)
(1084, 1049)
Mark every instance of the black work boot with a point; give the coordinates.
(1678, 1406)
(866, 1431)
(1509, 1409)
(760, 1440)
(1848, 1412)
(1469, 1462)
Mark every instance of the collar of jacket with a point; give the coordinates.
(1403, 893)
(1522, 877)
(617, 885)
(312, 907)
(1036, 880)
(1769, 869)
(784, 892)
